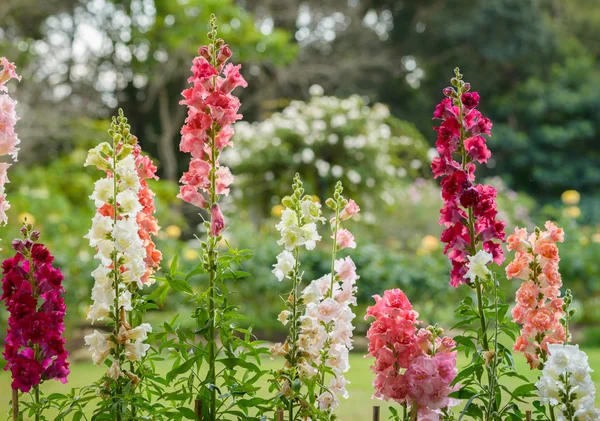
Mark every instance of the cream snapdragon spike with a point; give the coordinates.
(299, 230)
(320, 317)
(121, 233)
(329, 302)
(414, 367)
(469, 212)
(8, 137)
(566, 384)
(539, 306)
(212, 108)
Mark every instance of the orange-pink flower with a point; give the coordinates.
(539, 307)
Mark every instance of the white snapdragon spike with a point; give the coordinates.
(115, 234)
(566, 382)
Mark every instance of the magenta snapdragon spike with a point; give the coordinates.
(32, 291)
(469, 212)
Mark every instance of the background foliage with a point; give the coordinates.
(535, 64)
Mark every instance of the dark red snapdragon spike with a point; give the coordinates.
(32, 291)
(469, 214)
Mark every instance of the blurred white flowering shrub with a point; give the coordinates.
(326, 139)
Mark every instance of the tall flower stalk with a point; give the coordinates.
(8, 137)
(298, 229)
(121, 233)
(212, 109)
(34, 346)
(320, 317)
(539, 307)
(473, 237)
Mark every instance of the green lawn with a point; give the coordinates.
(357, 408)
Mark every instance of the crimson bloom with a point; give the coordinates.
(469, 214)
(32, 291)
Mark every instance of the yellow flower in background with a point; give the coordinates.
(429, 243)
(596, 238)
(173, 231)
(570, 197)
(277, 210)
(26, 215)
(572, 212)
(584, 240)
(191, 254)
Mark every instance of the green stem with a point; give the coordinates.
(212, 261)
(37, 402)
(116, 279)
(294, 327)
(552, 416)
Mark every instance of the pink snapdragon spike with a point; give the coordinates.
(539, 306)
(8, 137)
(469, 214)
(212, 109)
(414, 367)
(32, 291)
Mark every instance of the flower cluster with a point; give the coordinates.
(122, 199)
(566, 384)
(8, 137)
(469, 212)
(32, 290)
(414, 367)
(539, 307)
(212, 108)
(147, 223)
(326, 332)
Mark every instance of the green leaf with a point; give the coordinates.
(173, 269)
(187, 413)
(180, 285)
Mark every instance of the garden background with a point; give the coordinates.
(364, 74)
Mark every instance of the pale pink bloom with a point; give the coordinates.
(344, 239)
(345, 269)
(233, 78)
(224, 179)
(191, 195)
(350, 210)
(328, 310)
(8, 72)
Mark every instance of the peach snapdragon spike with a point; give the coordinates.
(8, 137)
(539, 306)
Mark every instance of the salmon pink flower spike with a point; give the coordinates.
(412, 366)
(32, 291)
(469, 214)
(212, 109)
(8, 137)
(539, 307)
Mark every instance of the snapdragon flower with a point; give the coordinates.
(539, 307)
(8, 137)
(566, 384)
(32, 290)
(121, 232)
